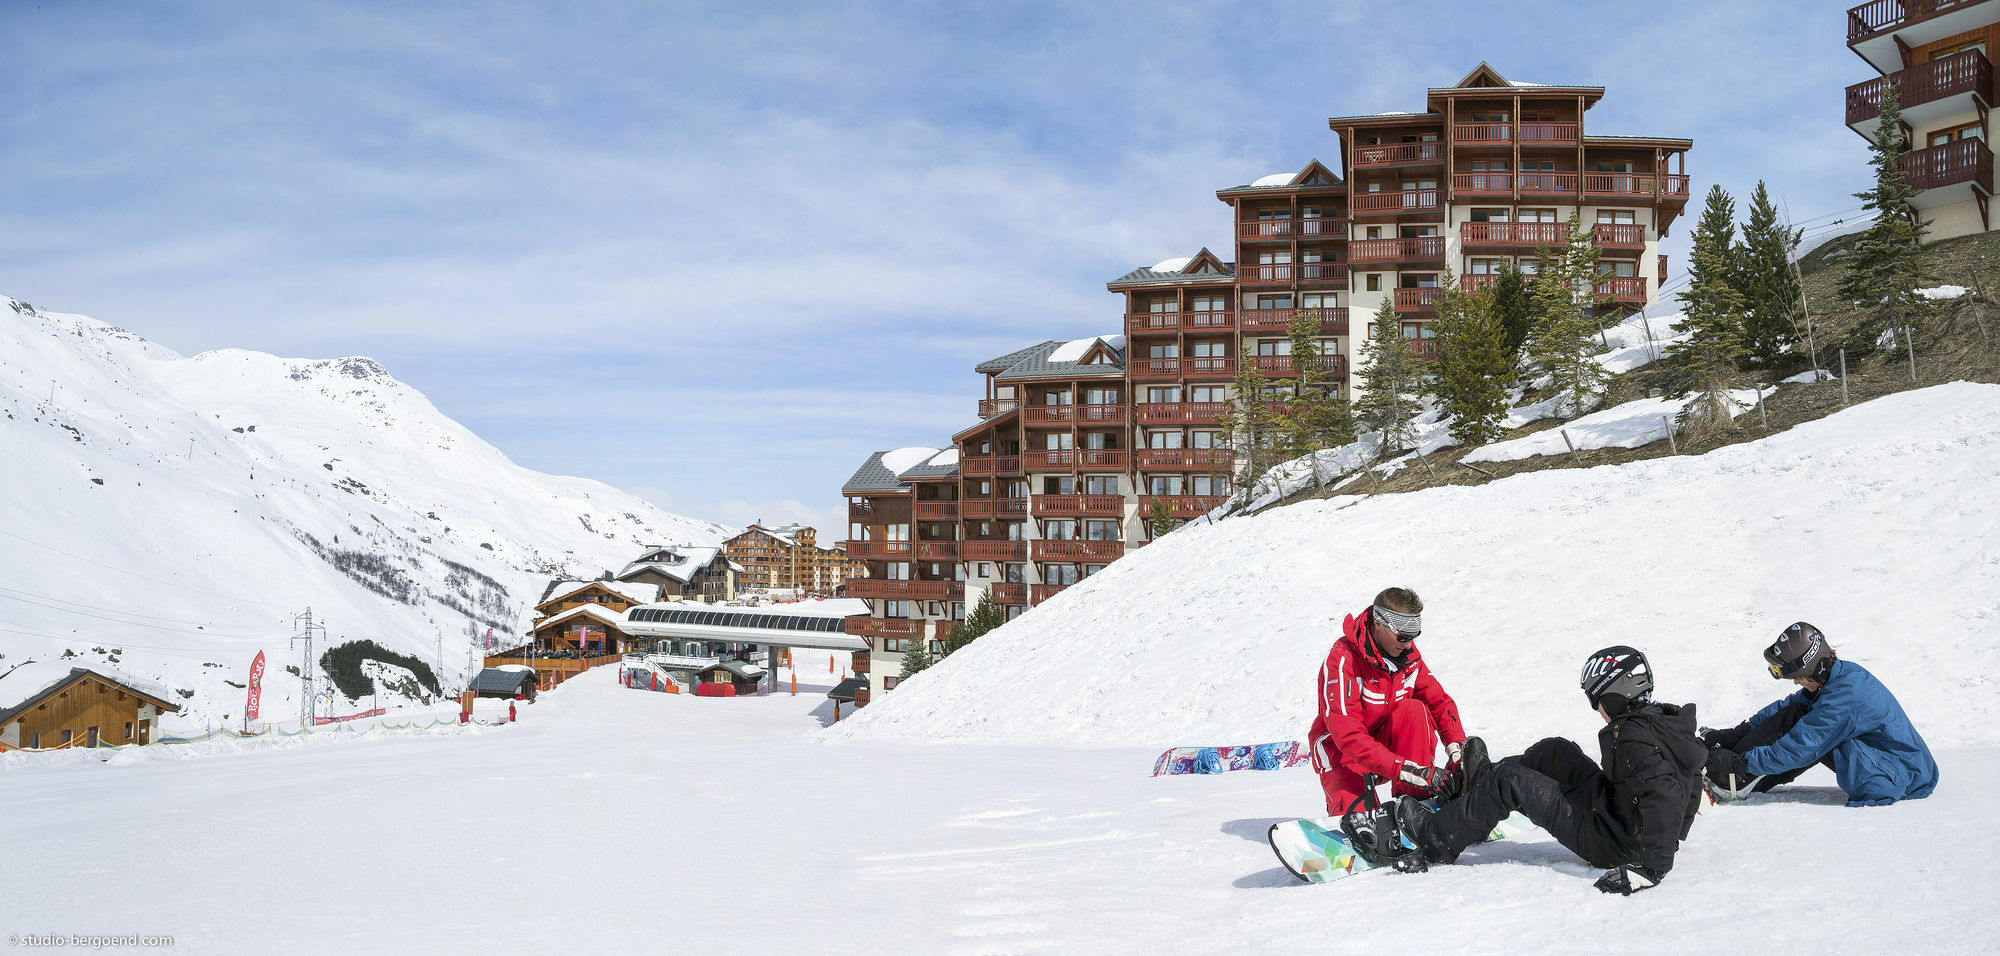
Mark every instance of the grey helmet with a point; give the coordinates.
(1802, 651)
(1621, 671)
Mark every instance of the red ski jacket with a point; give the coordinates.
(1358, 689)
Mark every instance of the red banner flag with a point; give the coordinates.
(256, 687)
(489, 640)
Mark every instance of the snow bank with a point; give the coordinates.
(1630, 425)
(1213, 634)
(1942, 292)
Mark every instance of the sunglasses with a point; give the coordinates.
(1407, 638)
(1776, 671)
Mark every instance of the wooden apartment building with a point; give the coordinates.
(1076, 440)
(1935, 54)
(786, 556)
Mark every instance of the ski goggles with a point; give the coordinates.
(1406, 626)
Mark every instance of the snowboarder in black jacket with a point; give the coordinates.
(1627, 816)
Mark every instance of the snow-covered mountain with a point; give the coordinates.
(170, 516)
(1879, 524)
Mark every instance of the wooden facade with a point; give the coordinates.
(788, 556)
(85, 709)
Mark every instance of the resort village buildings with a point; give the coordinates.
(786, 557)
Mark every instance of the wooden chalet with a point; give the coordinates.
(585, 628)
(53, 704)
(699, 574)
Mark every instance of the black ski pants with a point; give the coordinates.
(1774, 727)
(1554, 784)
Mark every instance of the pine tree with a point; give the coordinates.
(917, 658)
(1714, 316)
(1566, 331)
(1389, 404)
(1513, 308)
(1764, 276)
(1317, 417)
(986, 615)
(1883, 266)
(1248, 424)
(1473, 367)
(1160, 517)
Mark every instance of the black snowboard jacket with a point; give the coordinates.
(1653, 760)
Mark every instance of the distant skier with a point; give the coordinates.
(1841, 717)
(1628, 816)
(1380, 710)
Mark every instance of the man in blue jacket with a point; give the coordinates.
(1842, 718)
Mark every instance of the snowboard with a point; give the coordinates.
(1272, 756)
(1317, 852)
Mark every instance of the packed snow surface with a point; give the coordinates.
(1632, 424)
(1214, 633)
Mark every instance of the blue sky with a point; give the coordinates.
(716, 253)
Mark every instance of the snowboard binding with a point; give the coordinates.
(1375, 834)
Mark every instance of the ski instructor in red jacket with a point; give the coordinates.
(1380, 710)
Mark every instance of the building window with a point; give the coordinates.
(1616, 217)
(1063, 529)
(1163, 484)
(985, 569)
(1014, 574)
(1059, 574)
(1374, 282)
(889, 683)
(1100, 485)
(1956, 133)
(1100, 530)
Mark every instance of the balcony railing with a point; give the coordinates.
(1078, 550)
(1183, 459)
(996, 550)
(989, 407)
(937, 550)
(1329, 273)
(1482, 134)
(1037, 593)
(1619, 237)
(1547, 133)
(1009, 593)
(1139, 323)
(860, 512)
(993, 507)
(878, 550)
(1066, 414)
(1180, 506)
(1395, 203)
(1882, 16)
(1483, 184)
(860, 661)
(900, 590)
(1965, 161)
(1332, 319)
(1513, 235)
(1624, 290)
(1323, 227)
(1959, 73)
(863, 625)
(1265, 273)
(1274, 230)
(1282, 365)
(1205, 367)
(1417, 249)
(1179, 413)
(1075, 459)
(1477, 281)
(1547, 183)
(1402, 154)
(937, 510)
(1111, 505)
(1621, 185)
(1423, 348)
(1417, 300)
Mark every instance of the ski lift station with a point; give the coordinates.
(692, 645)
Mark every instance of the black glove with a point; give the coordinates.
(1722, 762)
(1431, 780)
(1629, 879)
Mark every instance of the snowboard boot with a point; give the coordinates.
(1473, 763)
(1376, 836)
(1413, 818)
(1730, 787)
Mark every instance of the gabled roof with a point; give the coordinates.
(495, 680)
(681, 564)
(843, 692)
(635, 593)
(1007, 361)
(1482, 75)
(29, 683)
(1067, 360)
(1178, 272)
(892, 470)
(598, 613)
(1301, 179)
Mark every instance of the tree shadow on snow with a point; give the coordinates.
(1256, 829)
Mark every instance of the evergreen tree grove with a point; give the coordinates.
(1764, 276)
(1884, 269)
(1473, 367)
(1714, 316)
(1389, 402)
(1565, 332)
(917, 658)
(1318, 416)
(1160, 517)
(1248, 422)
(1512, 307)
(986, 615)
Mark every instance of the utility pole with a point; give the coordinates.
(306, 627)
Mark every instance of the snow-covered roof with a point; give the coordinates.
(636, 593)
(946, 457)
(30, 680)
(904, 459)
(1180, 262)
(1178, 274)
(597, 612)
(679, 563)
(891, 470)
(1275, 179)
(1074, 349)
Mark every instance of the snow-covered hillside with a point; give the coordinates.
(1880, 524)
(170, 516)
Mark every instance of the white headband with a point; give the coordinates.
(1398, 621)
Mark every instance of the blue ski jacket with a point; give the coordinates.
(1854, 721)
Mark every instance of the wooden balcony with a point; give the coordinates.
(1075, 459)
(1477, 281)
(1885, 16)
(1078, 550)
(1325, 274)
(1180, 413)
(1622, 240)
(1417, 300)
(1266, 273)
(1548, 134)
(1009, 593)
(993, 508)
(1323, 227)
(937, 550)
(1966, 161)
(860, 512)
(1332, 319)
(995, 550)
(878, 550)
(1068, 414)
(1547, 184)
(1482, 134)
(1397, 203)
(863, 625)
(1037, 593)
(1621, 185)
(1483, 184)
(994, 465)
(1513, 235)
(1140, 323)
(1218, 321)
(1401, 154)
(860, 661)
(887, 589)
(1623, 290)
(1183, 459)
(1418, 249)
(941, 630)
(1180, 506)
(1282, 366)
(1424, 348)
(1111, 506)
(1285, 230)
(937, 510)
(989, 407)
(1198, 367)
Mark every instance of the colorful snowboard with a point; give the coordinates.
(1317, 852)
(1273, 756)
